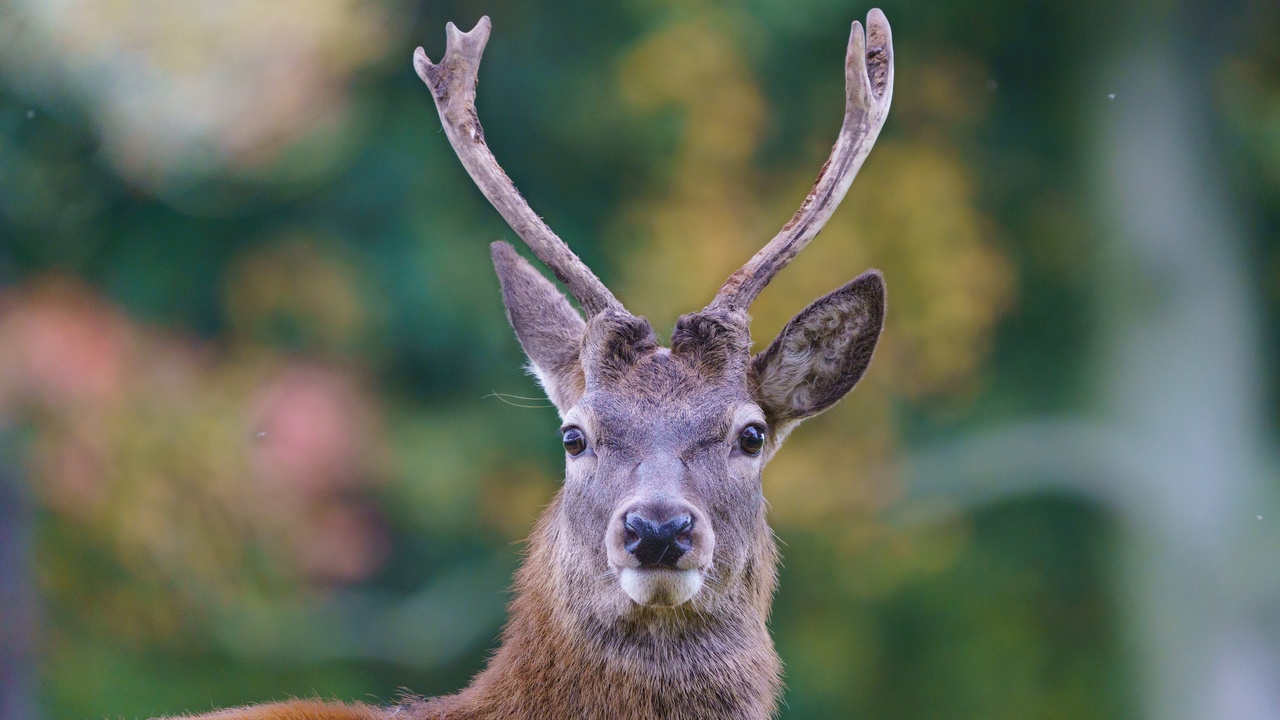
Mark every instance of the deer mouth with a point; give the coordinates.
(660, 587)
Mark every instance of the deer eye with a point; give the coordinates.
(574, 441)
(751, 439)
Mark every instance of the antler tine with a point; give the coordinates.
(868, 91)
(453, 85)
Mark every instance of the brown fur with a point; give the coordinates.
(302, 710)
(560, 659)
(593, 631)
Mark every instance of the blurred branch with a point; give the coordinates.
(1074, 456)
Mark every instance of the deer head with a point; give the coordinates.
(660, 528)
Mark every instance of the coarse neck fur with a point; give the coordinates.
(560, 659)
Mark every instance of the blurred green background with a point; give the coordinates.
(264, 431)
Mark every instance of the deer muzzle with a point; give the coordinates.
(660, 550)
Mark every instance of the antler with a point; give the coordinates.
(868, 73)
(453, 85)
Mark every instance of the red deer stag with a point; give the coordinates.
(648, 580)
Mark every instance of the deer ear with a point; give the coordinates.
(549, 329)
(821, 354)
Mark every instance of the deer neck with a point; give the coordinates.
(557, 660)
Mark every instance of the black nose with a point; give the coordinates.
(658, 545)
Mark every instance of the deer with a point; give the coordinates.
(647, 583)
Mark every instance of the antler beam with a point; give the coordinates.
(868, 89)
(453, 85)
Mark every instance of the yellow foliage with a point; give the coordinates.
(299, 286)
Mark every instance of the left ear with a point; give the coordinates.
(821, 354)
(549, 329)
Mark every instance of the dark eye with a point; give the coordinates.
(574, 441)
(751, 439)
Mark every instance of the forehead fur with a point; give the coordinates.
(716, 342)
(710, 350)
(672, 391)
(663, 377)
(612, 346)
(691, 390)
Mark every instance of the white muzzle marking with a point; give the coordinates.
(660, 587)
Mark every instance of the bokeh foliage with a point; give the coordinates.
(255, 373)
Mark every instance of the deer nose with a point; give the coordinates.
(658, 545)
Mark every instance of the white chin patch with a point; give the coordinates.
(662, 588)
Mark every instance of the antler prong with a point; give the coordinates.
(868, 94)
(452, 82)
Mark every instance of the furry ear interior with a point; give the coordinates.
(549, 328)
(821, 353)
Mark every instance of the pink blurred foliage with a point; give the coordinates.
(311, 423)
(211, 475)
(315, 429)
(61, 345)
(62, 356)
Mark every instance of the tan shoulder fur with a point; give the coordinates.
(298, 710)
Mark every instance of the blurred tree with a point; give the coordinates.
(18, 603)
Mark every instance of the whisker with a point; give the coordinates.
(521, 397)
(503, 397)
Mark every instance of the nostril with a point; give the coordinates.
(635, 530)
(681, 531)
(682, 524)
